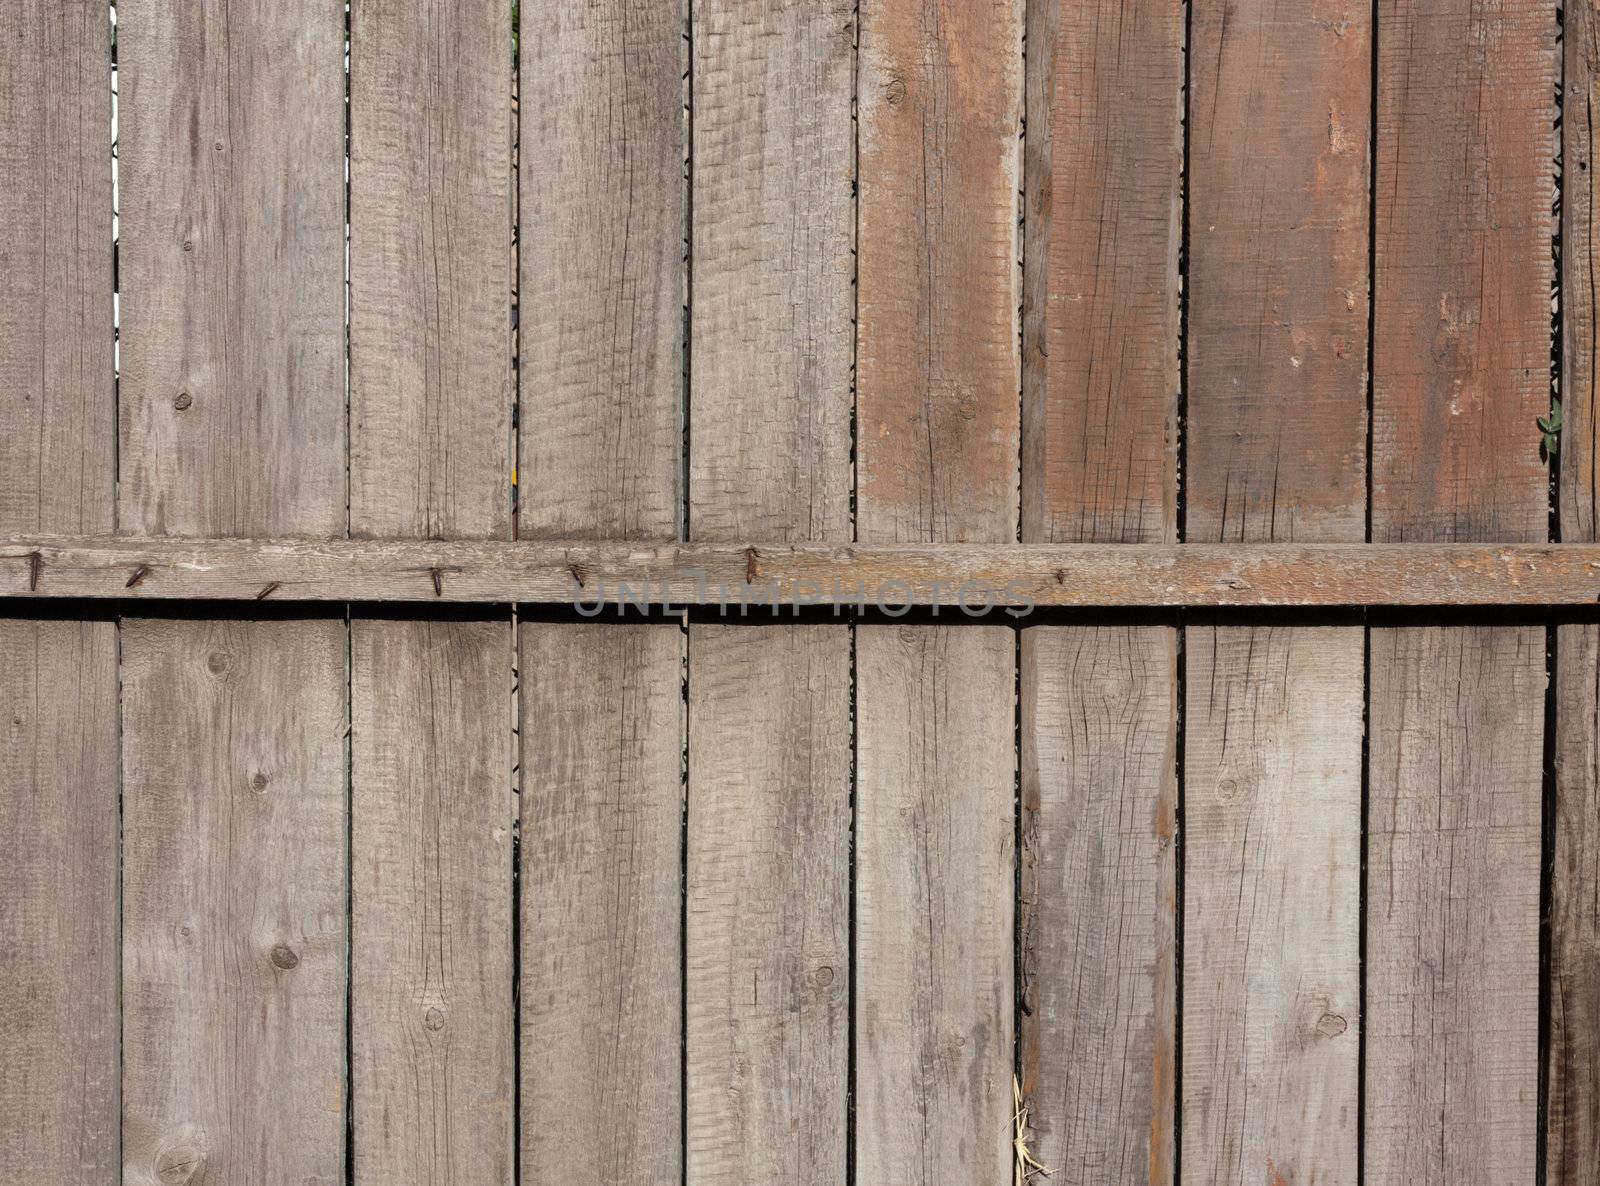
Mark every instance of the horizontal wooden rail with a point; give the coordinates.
(590, 572)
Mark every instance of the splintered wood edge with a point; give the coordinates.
(589, 573)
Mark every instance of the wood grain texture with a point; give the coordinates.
(1453, 904)
(773, 236)
(232, 272)
(602, 849)
(1276, 450)
(768, 908)
(1103, 158)
(57, 414)
(59, 1081)
(1271, 979)
(1580, 280)
(939, 284)
(1572, 1131)
(1573, 1118)
(58, 901)
(430, 268)
(1099, 893)
(233, 421)
(936, 839)
(233, 958)
(1016, 575)
(1277, 346)
(1461, 338)
(1102, 163)
(604, 267)
(1461, 348)
(432, 1034)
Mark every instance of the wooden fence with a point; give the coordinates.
(1177, 313)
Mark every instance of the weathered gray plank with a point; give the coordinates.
(938, 420)
(602, 1002)
(233, 958)
(1099, 893)
(1103, 160)
(233, 422)
(58, 900)
(603, 282)
(430, 268)
(768, 909)
(1276, 450)
(59, 1086)
(1466, 124)
(432, 1037)
(769, 454)
(1453, 903)
(1572, 1131)
(231, 144)
(431, 1011)
(603, 267)
(936, 838)
(774, 228)
(57, 418)
(1272, 842)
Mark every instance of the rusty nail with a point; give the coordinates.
(750, 568)
(267, 591)
(139, 575)
(35, 567)
(577, 574)
(438, 582)
(1061, 576)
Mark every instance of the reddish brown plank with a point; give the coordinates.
(938, 287)
(1104, 155)
(1277, 345)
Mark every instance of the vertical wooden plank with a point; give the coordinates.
(231, 144)
(1103, 158)
(1461, 345)
(773, 234)
(430, 268)
(431, 982)
(231, 141)
(233, 900)
(768, 976)
(603, 273)
(432, 1032)
(939, 283)
(934, 904)
(769, 884)
(602, 1000)
(1573, 1084)
(1277, 343)
(1272, 842)
(58, 900)
(58, 685)
(604, 267)
(1099, 894)
(938, 420)
(1277, 428)
(1100, 317)
(1453, 904)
